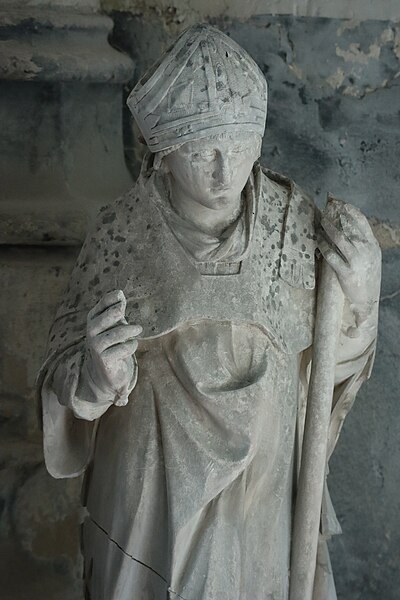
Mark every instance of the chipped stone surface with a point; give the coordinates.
(192, 11)
(61, 156)
(387, 235)
(333, 125)
(364, 470)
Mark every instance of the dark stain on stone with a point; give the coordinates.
(109, 218)
(76, 300)
(95, 281)
(302, 94)
(270, 228)
(329, 111)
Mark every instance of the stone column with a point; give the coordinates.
(61, 157)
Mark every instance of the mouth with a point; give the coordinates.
(220, 190)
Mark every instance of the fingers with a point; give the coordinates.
(355, 225)
(114, 297)
(120, 351)
(117, 335)
(107, 319)
(335, 261)
(337, 238)
(358, 221)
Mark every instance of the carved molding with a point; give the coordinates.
(61, 152)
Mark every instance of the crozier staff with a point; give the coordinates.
(178, 362)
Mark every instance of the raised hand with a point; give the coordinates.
(109, 365)
(348, 244)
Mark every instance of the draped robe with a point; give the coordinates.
(189, 487)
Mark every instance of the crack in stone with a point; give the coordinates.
(390, 296)
(170, 591)
(386, 85)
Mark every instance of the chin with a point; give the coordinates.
(218, 200)
(222, 194)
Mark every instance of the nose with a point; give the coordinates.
(222, 173)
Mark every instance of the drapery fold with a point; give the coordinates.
(71, 425)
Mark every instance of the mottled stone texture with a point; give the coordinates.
(333, 125)
(61, 157)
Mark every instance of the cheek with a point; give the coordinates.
(193, 177)
(243, 168)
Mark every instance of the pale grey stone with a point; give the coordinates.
(188, 422)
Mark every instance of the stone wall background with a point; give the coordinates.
(333, 125)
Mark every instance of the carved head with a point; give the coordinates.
(204, 85)
(212, 170)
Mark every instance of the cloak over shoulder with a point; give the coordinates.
(132, 248)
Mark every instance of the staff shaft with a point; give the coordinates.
(314, 450)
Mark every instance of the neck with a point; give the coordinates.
(210, 220)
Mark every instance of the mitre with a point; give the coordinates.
(205, 84)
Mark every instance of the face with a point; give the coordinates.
(213, 171)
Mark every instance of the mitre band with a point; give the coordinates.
(204, 84)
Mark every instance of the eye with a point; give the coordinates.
(205, 155)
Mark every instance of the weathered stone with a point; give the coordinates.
(329, 111)
(45, 512)
(365, 472)
(23, 578)
(173, 359)
(387, 235)
(61, 108)
(181, 12)
(328, 139)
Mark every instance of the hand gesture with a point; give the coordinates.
(347, 243)
(111, 343)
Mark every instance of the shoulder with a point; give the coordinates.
(298, 228)
(278, 179)
(295, 195)
(119, 210)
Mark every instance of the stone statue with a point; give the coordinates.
(179, 360)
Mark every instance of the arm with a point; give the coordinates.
(102, 371)
(349, 246)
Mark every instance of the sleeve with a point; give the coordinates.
(71, 408)
(72, 392)
(356, 353)
(67, 440)
(71, 405)
(75, 388)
